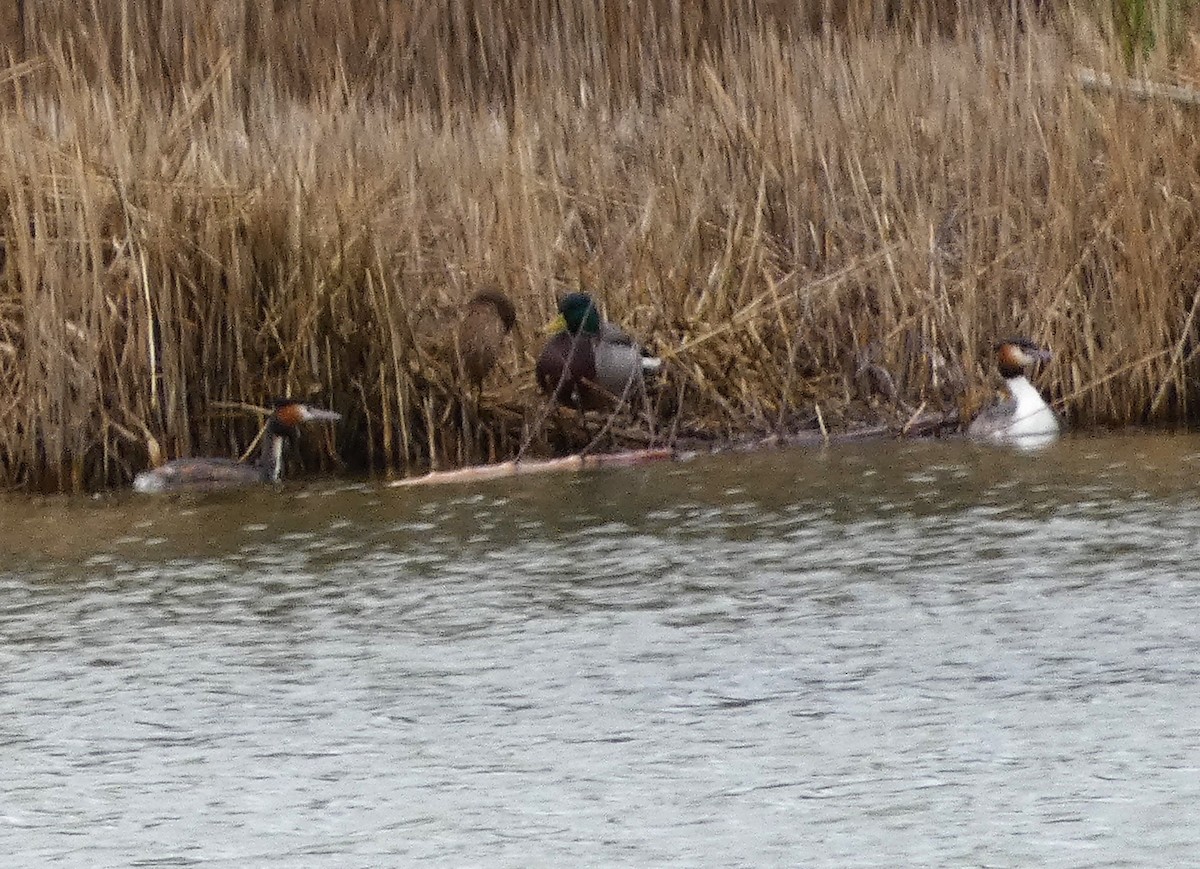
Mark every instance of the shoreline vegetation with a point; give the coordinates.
(819, 220)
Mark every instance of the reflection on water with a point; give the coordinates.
(879, 655)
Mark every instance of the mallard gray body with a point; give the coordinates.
(589, 362)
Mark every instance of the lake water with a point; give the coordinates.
(877, 655)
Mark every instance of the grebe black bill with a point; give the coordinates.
(206, 474)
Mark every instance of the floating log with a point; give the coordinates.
(920, 425)
(514, 468)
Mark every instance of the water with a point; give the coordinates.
(922, 654)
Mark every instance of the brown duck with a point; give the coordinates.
(486, 319)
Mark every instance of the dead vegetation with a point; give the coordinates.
(205, 206)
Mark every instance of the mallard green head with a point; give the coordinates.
(576, 313)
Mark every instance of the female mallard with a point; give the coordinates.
(486, 319)
(589, 362)
(1023, 418)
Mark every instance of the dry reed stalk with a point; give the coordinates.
(200, 203)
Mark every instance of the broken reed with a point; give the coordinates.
(802, 220)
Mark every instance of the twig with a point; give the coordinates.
(912, 419)
(1141, 89)
(1090, 385)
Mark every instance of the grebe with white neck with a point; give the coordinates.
(209, 474)
(1024, 418)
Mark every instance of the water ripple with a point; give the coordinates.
(911, 654)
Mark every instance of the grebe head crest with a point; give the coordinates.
(290, 413)
(1014, 355)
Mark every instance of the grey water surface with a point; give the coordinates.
(879, 655)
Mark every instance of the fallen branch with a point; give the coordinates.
(521, 468)
(919, 425)
(1140, 89)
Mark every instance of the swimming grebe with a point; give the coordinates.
(587, 352)
(210, 474)
(1023, 418)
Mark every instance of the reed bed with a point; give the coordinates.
(811, 216)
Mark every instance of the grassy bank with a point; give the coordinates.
(211, 207)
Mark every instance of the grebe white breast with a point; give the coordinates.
(1023, 418)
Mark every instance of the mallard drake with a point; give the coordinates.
(589, 362)
(486, 319)
(1024, 417)
(210, 474)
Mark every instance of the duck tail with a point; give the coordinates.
(651, 364)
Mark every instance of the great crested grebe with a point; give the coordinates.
(1023, 418)
(210, 474)
(587, 352)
